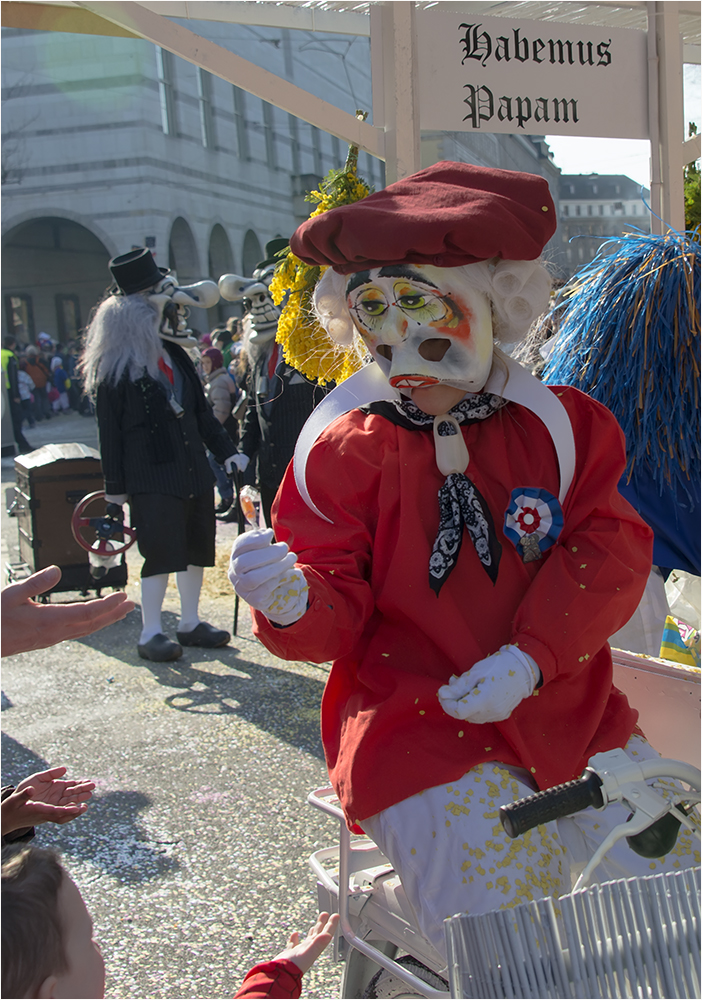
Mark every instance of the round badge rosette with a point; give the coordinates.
(533, 521)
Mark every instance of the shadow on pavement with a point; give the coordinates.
(108, 836)
(284, 704)
(276, 699)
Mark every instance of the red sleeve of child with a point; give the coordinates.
(281, 979)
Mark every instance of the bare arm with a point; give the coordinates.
(27, 625)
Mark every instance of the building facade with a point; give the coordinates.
(111, 143)
(594, 208)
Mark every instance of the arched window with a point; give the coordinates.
(220, 260)
(54, 272)
(182, 253)
(251, 254)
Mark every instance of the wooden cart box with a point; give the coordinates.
(50, 482)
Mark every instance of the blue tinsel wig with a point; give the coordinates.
(629, 336)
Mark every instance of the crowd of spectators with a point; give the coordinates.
(42, 381)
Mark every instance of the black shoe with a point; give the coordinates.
(159, 648)
(223, 506)
(231, 515)
(204, 635)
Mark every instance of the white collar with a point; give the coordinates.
(369, 385)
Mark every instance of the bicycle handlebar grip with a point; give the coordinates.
(552, 803)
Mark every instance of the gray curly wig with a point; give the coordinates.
(121, 337)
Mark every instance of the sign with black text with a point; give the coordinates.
(495, 74)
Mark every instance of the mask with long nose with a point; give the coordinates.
(173, 302)
(425, 326)
(261, 314)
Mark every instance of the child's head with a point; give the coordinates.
(47, 933)
(215, 359)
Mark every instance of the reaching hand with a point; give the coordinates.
(305, 953)
(44, 798)
(491, 690)
(263, 573)
(28, 625)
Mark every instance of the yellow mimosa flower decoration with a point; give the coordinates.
(306, 345)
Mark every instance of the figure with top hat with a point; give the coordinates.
(153, 423)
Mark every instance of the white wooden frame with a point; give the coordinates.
(395, 133)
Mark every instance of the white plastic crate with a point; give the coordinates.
(637, 937)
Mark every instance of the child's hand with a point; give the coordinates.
(305, 953)
(44, 798)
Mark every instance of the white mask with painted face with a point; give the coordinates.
(424, 325)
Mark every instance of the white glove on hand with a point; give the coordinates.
(239, 462)
(263, 574)
(118, 498)
(491, 690)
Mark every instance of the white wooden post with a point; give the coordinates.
(654, 139)
(395, 98)
(670, 133)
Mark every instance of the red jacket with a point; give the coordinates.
(282, 979)
(394, 642)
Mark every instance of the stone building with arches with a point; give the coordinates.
(112, 142)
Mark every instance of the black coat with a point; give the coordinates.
(145, 447)
(277, 411)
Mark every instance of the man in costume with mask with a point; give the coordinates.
(280, 398)
(450, 534)
(153, 422)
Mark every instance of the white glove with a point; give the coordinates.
(120, 498)
(491, 690)
(263, 573)
(239, 462)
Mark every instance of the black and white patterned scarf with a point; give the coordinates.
(460, 502)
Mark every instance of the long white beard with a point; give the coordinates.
(122, 337)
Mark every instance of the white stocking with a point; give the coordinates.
(153, 590)
(189, 586)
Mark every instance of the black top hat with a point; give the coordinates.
(136, 270)
(273, 247)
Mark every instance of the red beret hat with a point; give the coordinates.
(447, 215)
